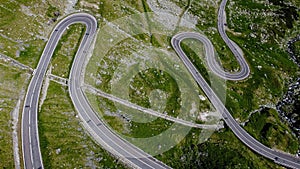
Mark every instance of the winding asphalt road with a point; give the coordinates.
(30, 138)
(278, 157)
(124, 150)
(235, 49)
(127, 152)
(119, 147)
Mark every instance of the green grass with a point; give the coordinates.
(208, 25)
(30, 55)
(51, 10)
(190, 47)
(11, 83)
(147, 81)
(104, 65)
(267, 128)
(265, 85)
(102, 69)
(112, 10)
(222, 150)
(297, 48)
(269, 76)
(66, 50)
(172, 157)
(142, 85)
(59, 128)
(281, 21)
(24, 27)
(100, 104)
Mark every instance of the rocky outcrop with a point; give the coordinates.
(289, 106)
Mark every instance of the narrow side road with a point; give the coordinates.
(150, 111)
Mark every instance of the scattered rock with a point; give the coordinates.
(57, 151)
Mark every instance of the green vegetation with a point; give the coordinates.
(296, 47)
(276, 24)
(260, 28)
(263, 50)
(263, 87)
(112, 10)
(207, 12)
(222, 150)
(24, 27)
(107, 66)
(267, 128)
(119, 67)
(108, 108)
(64, 143)
(150, 79)
(190, 47)
(30, 54)
(51, 11)
(268, 79)
(66, 50)
(286, 13)
(141, 87)
(12, 81)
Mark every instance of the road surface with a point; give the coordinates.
(278, 157)
(127, 152)
(30, 138)
(235, 49)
